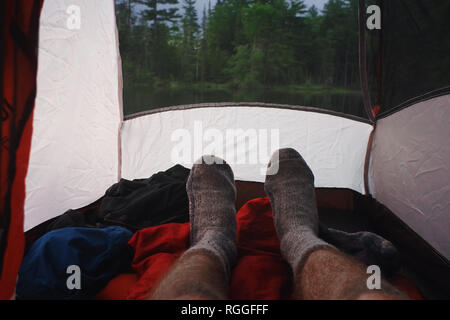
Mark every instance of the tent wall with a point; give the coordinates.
(74, 151)
(410, 168)
(333, 146)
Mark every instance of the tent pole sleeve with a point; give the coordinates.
(362, 59)
(367, 160)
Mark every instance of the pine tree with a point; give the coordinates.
(204, 22)
(157, 19)
(189, 22)
(190, 40)
(156, 15)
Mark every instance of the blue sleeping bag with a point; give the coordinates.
(73, 263)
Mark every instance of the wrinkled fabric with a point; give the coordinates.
(136, 204)
(100, 254)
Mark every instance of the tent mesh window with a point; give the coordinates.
(408, 59)
(284, 52)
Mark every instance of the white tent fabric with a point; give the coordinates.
(410, 169)
(75, 143)
(334, 147)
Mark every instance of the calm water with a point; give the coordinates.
(142, 99)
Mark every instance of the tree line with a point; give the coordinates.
(242, 44)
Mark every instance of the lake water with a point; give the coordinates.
(142, 99)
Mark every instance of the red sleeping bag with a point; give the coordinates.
(260, 271)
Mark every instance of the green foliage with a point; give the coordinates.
(248, 44)
(191, 42)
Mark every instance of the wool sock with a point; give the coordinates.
(292, 197)
(212, 213)
(367, 247)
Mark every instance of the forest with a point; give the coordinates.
(238, 46)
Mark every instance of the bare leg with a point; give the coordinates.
(320, 270)
(330, 274)
(203, 271)
(197, 275)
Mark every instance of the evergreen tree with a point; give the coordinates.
(190, 24)
(158, 18)
(190, 41)
(153, 12)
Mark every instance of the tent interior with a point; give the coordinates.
(70, 131)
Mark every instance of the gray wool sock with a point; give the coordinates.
(367, 247)
(292, 197)
(212, 213)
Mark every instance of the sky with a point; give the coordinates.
(200, 4)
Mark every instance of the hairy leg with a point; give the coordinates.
(197, 275)
(330, 274)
